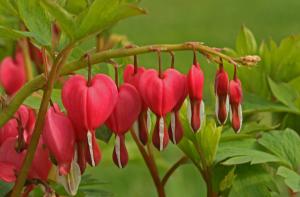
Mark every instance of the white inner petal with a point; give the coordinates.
(118, 151)
(227, 107)
(72, 180)
(90, 143)
(240, 113)
(161, 133)
(149, 122)
(202, 114)
(173, 126)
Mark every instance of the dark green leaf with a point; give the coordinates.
(5, 188)
(103, 133)
(36, 21)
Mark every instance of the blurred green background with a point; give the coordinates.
(215, 22)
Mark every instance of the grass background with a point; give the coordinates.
(215, 22)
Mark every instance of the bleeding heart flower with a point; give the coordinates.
(122, 118)
(11, 161)
(161, 93)
(175, 128)
(92, 151)
(235, 99)
(88, 106)
(222, 98)
(195, 81)
(36, 55)
(27, 120)
(12, 73)
(132, 75)
(59, 137)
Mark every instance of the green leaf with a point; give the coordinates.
(33, 101)
(245, 42)
(284, 93)
(254, 103)
(284, 144)
(291, 178)
(62, 17)
(36, 21)
(7, 8)
(188, 148)
(5, 188)
(13, 34)
(104, 13)
(252, 181)
(209, 140)
(103, 133)
(77, 6)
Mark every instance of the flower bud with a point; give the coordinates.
(235, 99)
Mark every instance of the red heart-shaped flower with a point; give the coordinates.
(88, 106)
(161, 94)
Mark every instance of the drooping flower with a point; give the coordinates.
(175, 128)
(12, 73)
(59, 137)
(121, 120)
(235, 100)
(161, 92)
(222, 94)
(26, 119)
(88, 105)
(132, 75)
(195, 81)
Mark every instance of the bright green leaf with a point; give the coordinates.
(5, 188)
(12, 33)
(103, 133)
(291, 178)
(104, 13)
(284, 93)
(245, 42)
(284, 144)
(36, 21)
(62, 17)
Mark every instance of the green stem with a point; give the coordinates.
(38, 126)
(181, 161)
(28, 64)
(39, 81)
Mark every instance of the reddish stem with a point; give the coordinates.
(160, 71)
(195, 62)
(135, 64)
(172, 59)
(89, 69)
(235, 72)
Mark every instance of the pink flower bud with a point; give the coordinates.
(235, 99)
(195, 81)
(12, 73)
(222, 98)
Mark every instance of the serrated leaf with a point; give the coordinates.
(291, 178)
(104, 13)
(284, 93)
(284, 144)
(62, 17)
(245, 42)
(35, 19)
(252, 181)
